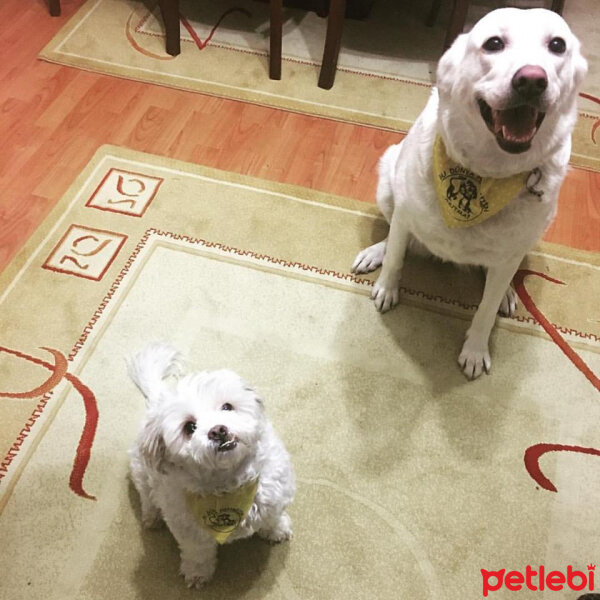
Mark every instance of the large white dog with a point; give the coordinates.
(207, 461)
(476, 180)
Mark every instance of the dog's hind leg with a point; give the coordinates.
(385, 183)
(279, 530)
(509, 303)
(151, 515)
(371, 257)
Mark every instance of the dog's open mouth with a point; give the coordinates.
(514, 127)
(226, 445)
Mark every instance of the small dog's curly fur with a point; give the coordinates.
(206, 435)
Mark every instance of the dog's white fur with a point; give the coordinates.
(405, 191)
(166, 461)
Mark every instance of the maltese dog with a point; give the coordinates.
(207, 461)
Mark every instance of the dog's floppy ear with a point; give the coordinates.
(257, 398)
(580, 65)
(151, 444)
(451, 63)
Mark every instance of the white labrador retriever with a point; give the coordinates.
(476, 179)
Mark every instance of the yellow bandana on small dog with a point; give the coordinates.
(221, 515)
(465, 197)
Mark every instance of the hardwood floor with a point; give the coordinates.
(53, 118)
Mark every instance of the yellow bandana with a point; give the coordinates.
(221, 515)
(465, 197)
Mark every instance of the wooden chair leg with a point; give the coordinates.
(333, 39)
(558, 6)
(275, 39)
(434, 11)
(457, 21)
(54, 8)
(170, 13)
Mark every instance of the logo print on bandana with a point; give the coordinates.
(224, 520)
(462, 193)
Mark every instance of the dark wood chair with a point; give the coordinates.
(170, 13)
(275, 33)
(54, 6)
(458, 16)
(333, 40)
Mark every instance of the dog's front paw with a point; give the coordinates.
(151, 517)
(196, 574)
(509, 303)
(385, 294)
(281, 532)
(369, 259)
(474, 359)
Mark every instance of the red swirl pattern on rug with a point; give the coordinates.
(597, 123)
(86, 441)
(58, 372)
(534, 453)
(551, 330)
(202, 44)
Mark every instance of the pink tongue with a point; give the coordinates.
(516, 123)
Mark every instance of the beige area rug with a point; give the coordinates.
(411, 479)
(386, 66)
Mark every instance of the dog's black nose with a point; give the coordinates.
(218, 433)
(530, 81)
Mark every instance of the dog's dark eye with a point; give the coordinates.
(189, 427)
(494, 44)
(557, 45)
(226, 406)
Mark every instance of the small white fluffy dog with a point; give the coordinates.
(505, 104)
(206, 439)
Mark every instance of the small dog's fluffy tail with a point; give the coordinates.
(151, 366)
